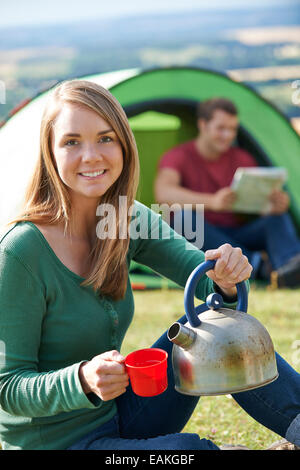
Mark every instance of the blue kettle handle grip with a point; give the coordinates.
(190, 288)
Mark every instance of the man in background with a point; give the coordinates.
(200, 171)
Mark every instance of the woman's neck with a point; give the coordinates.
(83, 220)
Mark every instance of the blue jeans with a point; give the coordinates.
(274, 234)
(156, 423)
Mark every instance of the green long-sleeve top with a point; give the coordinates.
(50, 324)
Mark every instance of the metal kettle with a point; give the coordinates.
(227, 351)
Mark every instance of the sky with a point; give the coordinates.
(32, 12)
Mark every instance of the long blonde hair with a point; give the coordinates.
(47, 199)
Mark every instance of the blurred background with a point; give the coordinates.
(256, 42)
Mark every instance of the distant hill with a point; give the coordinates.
(171, 28)
(33, 58)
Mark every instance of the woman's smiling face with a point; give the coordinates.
(87, 151)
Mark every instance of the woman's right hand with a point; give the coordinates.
(104, 375)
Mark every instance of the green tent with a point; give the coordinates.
(160, 105)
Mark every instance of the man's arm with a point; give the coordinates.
(168, 190)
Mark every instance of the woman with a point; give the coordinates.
(62, 379)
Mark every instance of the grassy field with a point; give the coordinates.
(219, 418)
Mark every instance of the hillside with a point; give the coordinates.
(259, 47)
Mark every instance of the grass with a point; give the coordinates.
(219, 418)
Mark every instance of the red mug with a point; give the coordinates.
(147, 370)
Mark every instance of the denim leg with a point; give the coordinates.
(207, 237)
(275, 234)
(167, 413)
(212, 236)
(107, 437)
(217, 236)
(277, 405)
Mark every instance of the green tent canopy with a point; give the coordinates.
(161, 107)
(264, 130)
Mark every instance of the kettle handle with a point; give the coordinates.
(190, 288)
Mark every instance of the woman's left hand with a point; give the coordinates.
(231, 267)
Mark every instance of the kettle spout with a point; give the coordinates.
(181, 335)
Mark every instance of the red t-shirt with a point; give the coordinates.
(204, 176)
